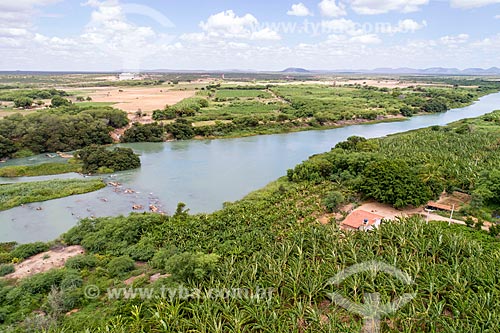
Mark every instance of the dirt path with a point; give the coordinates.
(392, 213)
(45, 261)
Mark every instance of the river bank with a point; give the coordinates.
(202, 173)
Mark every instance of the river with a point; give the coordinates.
(202, 174)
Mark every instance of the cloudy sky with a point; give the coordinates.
(92, 35)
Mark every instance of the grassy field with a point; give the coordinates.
(241, 93)
(39, 170)
(94, 104)
(13, 195)
(233, 110)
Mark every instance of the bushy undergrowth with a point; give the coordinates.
(13, 195)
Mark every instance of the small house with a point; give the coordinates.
(361, 220)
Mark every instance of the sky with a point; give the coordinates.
(109, 35)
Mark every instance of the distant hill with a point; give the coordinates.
(295, 70)
(436, 71)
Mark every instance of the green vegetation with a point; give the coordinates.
(98, 159)
(331, 104)
(23, 102)
(25, 251)
(231, 111)
(411, 168)
(120, 266)
(58, 101)
(40, 169)
(185, 108)
(144, 133)
(13, 195)
(12, 95)
(333, 201)
(6, 269)
(266, 241)
(273, 238)
(61, 129)
(231, 94)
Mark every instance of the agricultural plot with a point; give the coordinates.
(364, 102)
(241, 93)
(230, 111)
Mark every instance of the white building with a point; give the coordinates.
(127, 76)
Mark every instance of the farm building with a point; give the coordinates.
(361, 220)
(437, 206)
(127, 76)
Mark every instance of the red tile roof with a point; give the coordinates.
(356, 219)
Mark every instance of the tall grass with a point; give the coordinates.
(13, 195)
(39, 170)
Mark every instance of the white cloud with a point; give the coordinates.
(342, 26)
(13, 32)
(371, 7)
(329, 8)
(228, 25)
(453, 40)
(366, 39)
(472, 3)
(23, 5)
(299, 9)
(349, 27)
(265, 34)
(16, 21)
(194, 37)
(406, 26)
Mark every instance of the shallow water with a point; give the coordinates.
(202, 174)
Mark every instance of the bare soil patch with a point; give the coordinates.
(456, 199)
(45, 261)
(132, 99)
(392, 213)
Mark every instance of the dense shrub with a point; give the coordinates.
(117, 235)
(48, 132)
(162, 256)
(333, 201)
(81, 261)
(96, 159)
(71, 280)
(120, 265)
(42, 282)
(181, 129)
(6, 269)
(144, 133)
(23, 102)
(24, 251)
(191, 266)
(114, 118)
(394, 182)
(435, 106)
(11, 95)
(5, 257)
(58, 101)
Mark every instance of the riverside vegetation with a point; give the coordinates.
(90, 160)
(13, 195)
(272, 239)
(232, 111)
